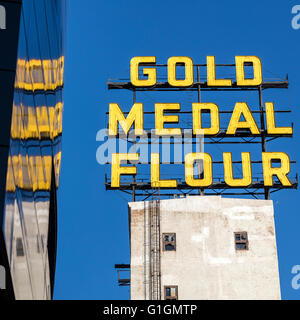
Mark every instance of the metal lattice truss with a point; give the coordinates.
(257, 189)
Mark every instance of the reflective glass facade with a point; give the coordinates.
(29, 220)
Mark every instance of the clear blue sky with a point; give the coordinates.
(102, 38)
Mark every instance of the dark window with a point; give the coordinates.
(19, 247)
(169, 241)
(171, 292)
(43, 242)
(40, 245)
(241, 240)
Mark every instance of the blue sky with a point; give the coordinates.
(102, 37)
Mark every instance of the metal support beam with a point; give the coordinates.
(263, 133)
(165, 86)
(201, 191)
(134, 150)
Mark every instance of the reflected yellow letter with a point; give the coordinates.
(150, 72)
(11, 179)
(228, 170)
(240, 71)
(211, 75)
(241, 108)
(117, 170)
(189, 72)
(135, 116)
(155, 174)
(214, 118)
(190, 159)
(32, 125)
(40, 172)
(161, 119)
(271, 126)
(280, 172)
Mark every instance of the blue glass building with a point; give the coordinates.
(31, 150)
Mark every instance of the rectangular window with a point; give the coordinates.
(171, 292)
(38, 243)
(169, 241)
(19, 247)
(241, 240)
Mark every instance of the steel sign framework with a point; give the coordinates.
(141, 187)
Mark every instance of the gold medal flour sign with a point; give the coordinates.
(135, 119)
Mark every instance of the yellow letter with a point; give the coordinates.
(235, 123)
(40, 171)
(160, 119)
(31, 131)
(155, 174)
(190, 159)
(271, 126)
(240, 71)
(135, 115)
(189, 72)
(214, 116)
(117, 170)
(228, 171)
(211, 75)
(150, 72)
(57, 166)
(280, 172)
(11, 179)
(43, 120)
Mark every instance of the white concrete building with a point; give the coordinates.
(203, 247)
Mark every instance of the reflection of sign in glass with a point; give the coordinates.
(2, 18)
(2, 278)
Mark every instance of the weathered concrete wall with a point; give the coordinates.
(205, 264)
